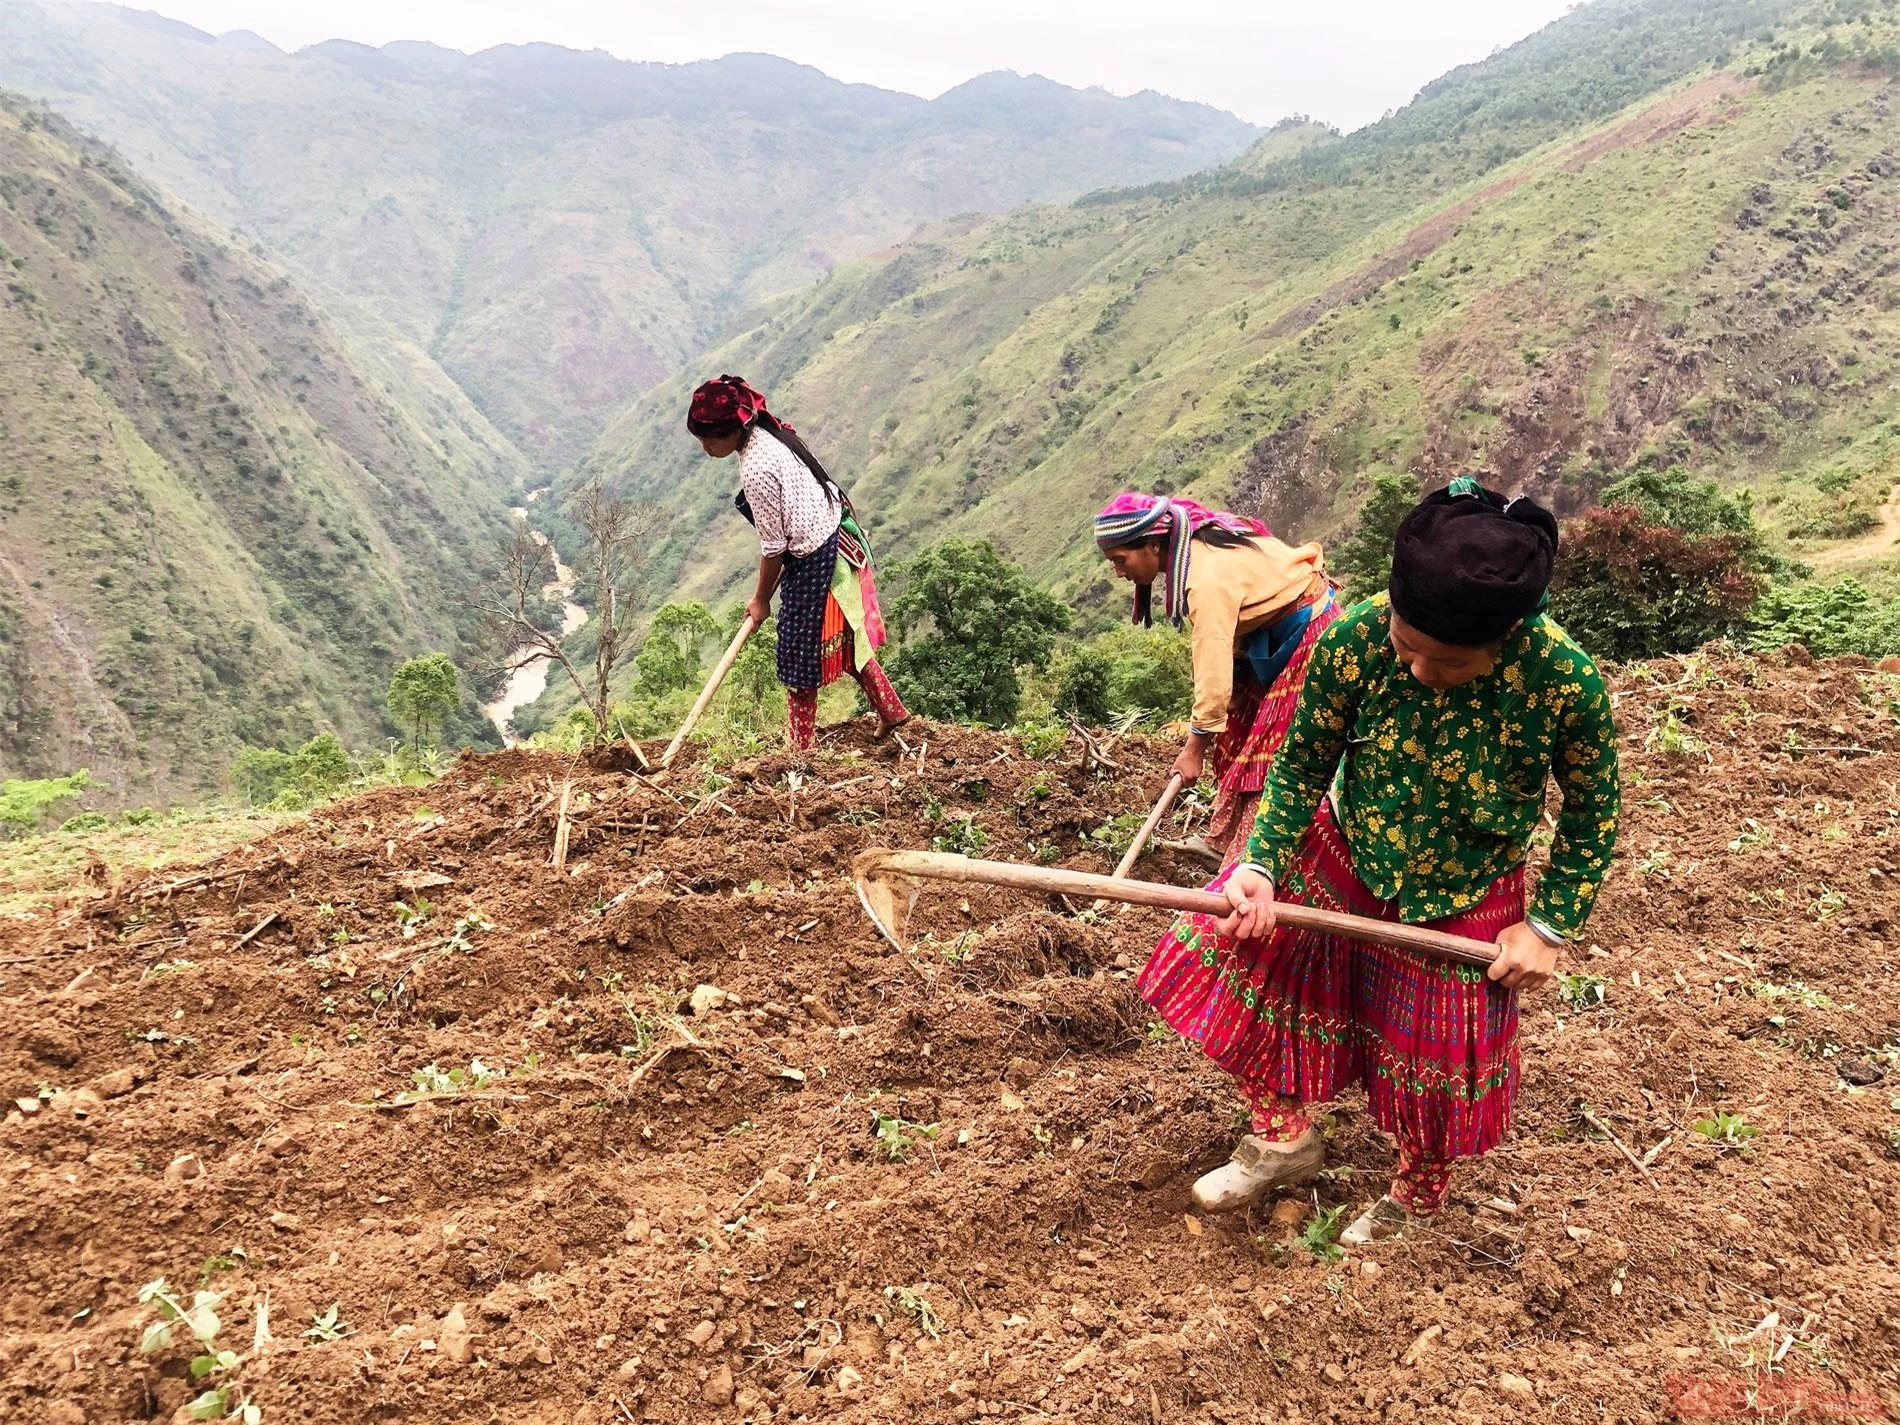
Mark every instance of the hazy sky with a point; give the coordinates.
(1346, 61)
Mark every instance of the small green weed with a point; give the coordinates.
(897, 1135)
(963, 949)
(1582, 992)
(1753, 834)
(1320, 1236)
(1730, 1132)
(1794, 992)
(222, 1262)
(915, 1305)
(1116, 834)
(434, 1082)
(1672, 737)
(328, 1325)
(470, 924)
(200, 1319)
(962, 836)
(1041, 740)
(1655, 863)
(412, 916)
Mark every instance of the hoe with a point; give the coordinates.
(888, 887)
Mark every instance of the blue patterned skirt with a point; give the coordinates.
(803, 588)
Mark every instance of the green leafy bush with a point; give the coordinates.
(675, 645)
(1084, 675)
(422, 694)
(271, 777)
(1145, 671)
(24, 803)
(969, 619)
(1826, 619)
(1363, 559)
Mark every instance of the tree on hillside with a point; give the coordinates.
(1145, 671)
(1363, 559)
(422, 693)
(673, 652)
(1675, 498)
(611, 529)
(1665, 564)
(968, 619)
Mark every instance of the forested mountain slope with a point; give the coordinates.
(1657, 232)
(562, 229)
(222, 522)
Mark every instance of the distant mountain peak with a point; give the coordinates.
(249, 41)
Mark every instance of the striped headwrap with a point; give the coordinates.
(1130, 518)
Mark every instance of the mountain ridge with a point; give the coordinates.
(1639, 287)
(563, 228)
(222, 524)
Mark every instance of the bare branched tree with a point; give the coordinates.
(612, 527)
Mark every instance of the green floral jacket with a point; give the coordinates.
(1438, 793)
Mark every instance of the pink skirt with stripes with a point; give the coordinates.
(1257, 722)
(1305, 1015)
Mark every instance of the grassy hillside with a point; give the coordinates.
(563, 229)
(219, 522)
(1656, 232)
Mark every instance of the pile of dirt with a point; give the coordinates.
(669, 1134)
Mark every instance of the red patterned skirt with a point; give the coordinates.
(1257, 722)
(1304, 1015)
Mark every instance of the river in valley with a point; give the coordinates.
(530, 680)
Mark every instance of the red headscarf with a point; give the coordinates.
(727, 406)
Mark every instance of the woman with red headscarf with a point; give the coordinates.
(1256, 605)
(812, 554)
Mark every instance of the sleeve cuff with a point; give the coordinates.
(768, 548)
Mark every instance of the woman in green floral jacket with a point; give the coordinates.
(1408, 788)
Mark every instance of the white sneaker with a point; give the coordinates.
(1258, 1168)
(1382, 1221)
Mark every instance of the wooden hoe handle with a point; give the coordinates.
(726, 660)
(942, 866)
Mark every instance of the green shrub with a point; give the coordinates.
(24, 803)
(319, 767)
(1628, 587)
(260, 774)
(84, 822)
(1826, 619)
(1363, 559)
(672, 654)
(1083, 677)
(271, 777)
(422, 693)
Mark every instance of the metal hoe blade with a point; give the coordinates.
(887, 897)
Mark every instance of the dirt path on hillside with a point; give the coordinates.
(1878, 541)
(717, 1153)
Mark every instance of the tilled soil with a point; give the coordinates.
(675, 1203)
